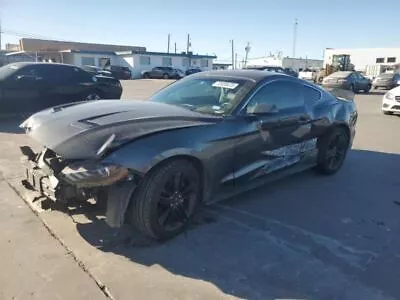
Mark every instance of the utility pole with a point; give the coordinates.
(169, 40)
(233, 55)
(0, 34)
(247, 49)
(235, 60)
(294, 38)
(187, 50)
(175, 47)
(188, 44)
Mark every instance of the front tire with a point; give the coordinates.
(387, 112)
(332, 151)
(165, 76)
(167, 200)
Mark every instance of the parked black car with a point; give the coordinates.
(119, 72)
(97, 71)
(164, 73)
(386, 80)
(201, 139)
(192, 71)
(348, 80)
(30, 87)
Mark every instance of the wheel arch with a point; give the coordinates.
(195, 161)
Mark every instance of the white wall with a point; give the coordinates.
(77, 58)
(360, 58)
(286, 62)
(265, 61)
(301, 63)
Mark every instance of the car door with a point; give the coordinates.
(71, 84)
(156, 73)
(271, 140)
(363, 82)
(25, 90)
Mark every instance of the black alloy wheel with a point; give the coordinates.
(166, 201)
(332, 151)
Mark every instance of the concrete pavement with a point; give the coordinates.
(33, 264)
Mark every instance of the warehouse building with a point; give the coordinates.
(365, 58)
(286, 62)
(136, 58)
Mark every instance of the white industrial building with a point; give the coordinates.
(365, 57)
(136, 58)
(145, 61)
(286, 62)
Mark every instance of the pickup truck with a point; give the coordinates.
(308, 74)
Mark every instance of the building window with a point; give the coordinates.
(88, 61)
(167, 61)
(380, 60)
(104, 62)
(185, 62)
(194, 62)
(144, 60)
(204, 63)
(391, 59)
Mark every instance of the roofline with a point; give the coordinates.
(124, 53)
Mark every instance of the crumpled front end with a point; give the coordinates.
(69, 180)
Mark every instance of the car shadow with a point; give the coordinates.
(276, 241)
(10, 124)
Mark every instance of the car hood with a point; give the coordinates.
(395, 91)
(79, 130)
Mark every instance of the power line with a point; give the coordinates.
(25, 34)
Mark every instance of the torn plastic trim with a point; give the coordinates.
(118, 198)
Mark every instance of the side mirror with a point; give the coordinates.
(262, 109)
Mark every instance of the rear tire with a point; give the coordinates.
(332, 151)
(146, 76)
(91, 96)
(164, 204)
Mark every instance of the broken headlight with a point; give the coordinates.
(92, 174)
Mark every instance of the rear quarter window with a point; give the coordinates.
(311, 95)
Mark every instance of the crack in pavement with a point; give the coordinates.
(69, 251)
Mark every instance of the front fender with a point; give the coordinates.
(143, 154)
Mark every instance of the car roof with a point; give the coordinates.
(253, 75)
(24, 64)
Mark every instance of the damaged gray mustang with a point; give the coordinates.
(201, 139)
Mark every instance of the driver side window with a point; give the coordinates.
(281, 94)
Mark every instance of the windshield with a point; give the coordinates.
(214, 96)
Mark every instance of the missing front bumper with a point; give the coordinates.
(42, 176)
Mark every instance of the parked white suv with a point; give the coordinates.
(391, 101)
